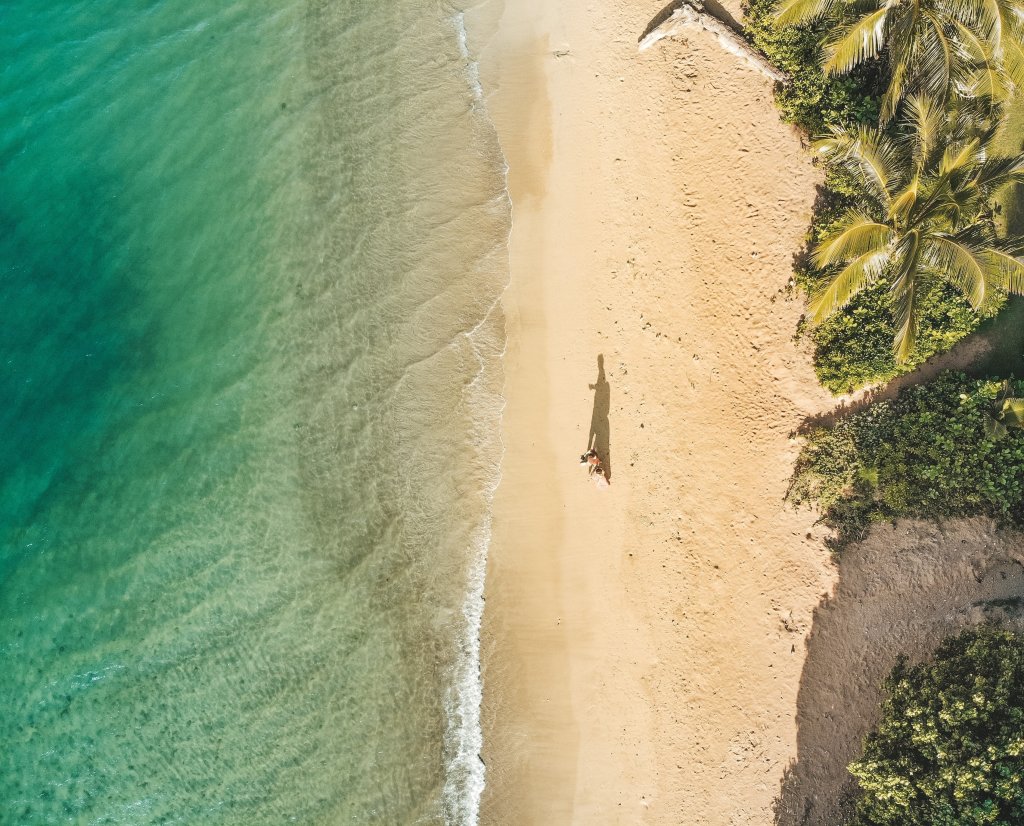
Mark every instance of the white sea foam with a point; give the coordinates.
(465, 774)
(465, 780)
(472, 66)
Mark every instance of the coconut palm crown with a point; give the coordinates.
(929, 215)
(941, 48)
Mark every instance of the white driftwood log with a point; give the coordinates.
(690, 14)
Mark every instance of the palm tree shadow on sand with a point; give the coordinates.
(599, 438)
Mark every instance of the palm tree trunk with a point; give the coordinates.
(682, 15)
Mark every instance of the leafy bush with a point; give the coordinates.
(925, 455)
(853, 348)
(949, 749)
(812, 101)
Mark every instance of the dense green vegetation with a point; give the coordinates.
(942, 49)
(930, 453)
(812, 101)
(853, 348)
(927, 214)
(949, 749)
(854, 345)
(916, 237)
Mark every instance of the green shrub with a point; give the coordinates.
(853, 348)
(923, 455)
(810, 100)
(949, 749)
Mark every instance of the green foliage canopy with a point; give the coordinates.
(942, 49)
(811, 100)
(949, 749)
(929, 192)
(853, 347)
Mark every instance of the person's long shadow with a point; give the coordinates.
(599, 438)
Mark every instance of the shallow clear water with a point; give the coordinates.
(250, 255)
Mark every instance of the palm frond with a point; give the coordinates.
(1007, 269)
(987, 80)
(987, 76)
(962, 264)
(985, 16)
(795, 12)
(900, 39)
(1011, 245)
(927, 120)
(959, 156)
(869, 154)
(905, 317)
(892, 95)
(904, 292)
(904, 202)
(861, 41)
(973, 43)
(862, 272)
(857, 234)
(994, 173)
(976, 117)
(934, 57)
(1010, 55)
(1001, 22)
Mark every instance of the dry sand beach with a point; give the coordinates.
(644, 645)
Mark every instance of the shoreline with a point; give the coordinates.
(513, 63)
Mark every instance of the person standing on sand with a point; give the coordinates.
(594, 467)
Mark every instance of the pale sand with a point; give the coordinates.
(644, 644)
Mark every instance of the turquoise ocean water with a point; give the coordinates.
(250, 258)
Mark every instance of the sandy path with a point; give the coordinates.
(644, 645)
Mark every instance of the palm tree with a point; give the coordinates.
(939, 48)
(928, 214)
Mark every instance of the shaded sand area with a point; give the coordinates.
(645, 647)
